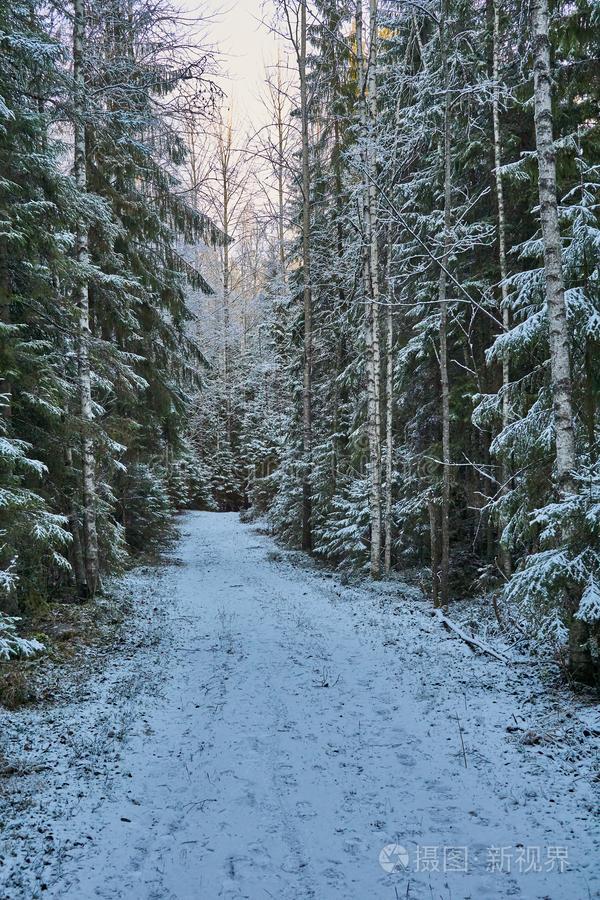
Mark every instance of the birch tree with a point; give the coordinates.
(81, 300)
(560, 362)
(367, 87)
(277, 91)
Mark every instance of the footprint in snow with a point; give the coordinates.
(305, 810)
(405, 759)
(286, 775)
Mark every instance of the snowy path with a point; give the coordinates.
(297, 728)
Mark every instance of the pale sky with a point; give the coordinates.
(245, 45)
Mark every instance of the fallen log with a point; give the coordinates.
(472, 642)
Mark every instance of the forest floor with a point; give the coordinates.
(264, 731)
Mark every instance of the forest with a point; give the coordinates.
(371, 324)
(299, 449)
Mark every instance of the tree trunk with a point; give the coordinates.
(368, 115)
(435, 563)
(225, 152)
(389, 411)
(337, 159)
(505, 557)
(90, 536)
(307, 298)
(443, 332)
(280, 176)
(5, 319)
(581, 663)
(560, 364)
(77, 556)
(580, 659)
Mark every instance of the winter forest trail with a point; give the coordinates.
(290, 728)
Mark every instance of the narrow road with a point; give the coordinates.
(298, 728)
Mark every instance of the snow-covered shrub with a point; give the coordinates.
(189, 482)
(32, 539)
(589, 605)
(146, 508)
(226, 487)
(562, 578)
(177, 487)
(112, 541)
(261, 494)
(343, 534)
(11, 644)
(285, 513)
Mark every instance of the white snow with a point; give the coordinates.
(266, 732)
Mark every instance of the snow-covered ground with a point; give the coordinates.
(267, 732)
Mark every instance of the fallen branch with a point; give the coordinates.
(462, 743)
(472, 642)
(15, 769)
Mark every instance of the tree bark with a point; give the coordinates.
(505, 557)
(90, 535)
(307, 297)
(580, 659)
(389, 411)
(368, 115)
(5, 318)
(443, 328)
(225, 139)
(77, 555)
(435, 570)
(280, 175)
(560, 364)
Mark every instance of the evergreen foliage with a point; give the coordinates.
(366, 355)
(140, 81)
(424, 153)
